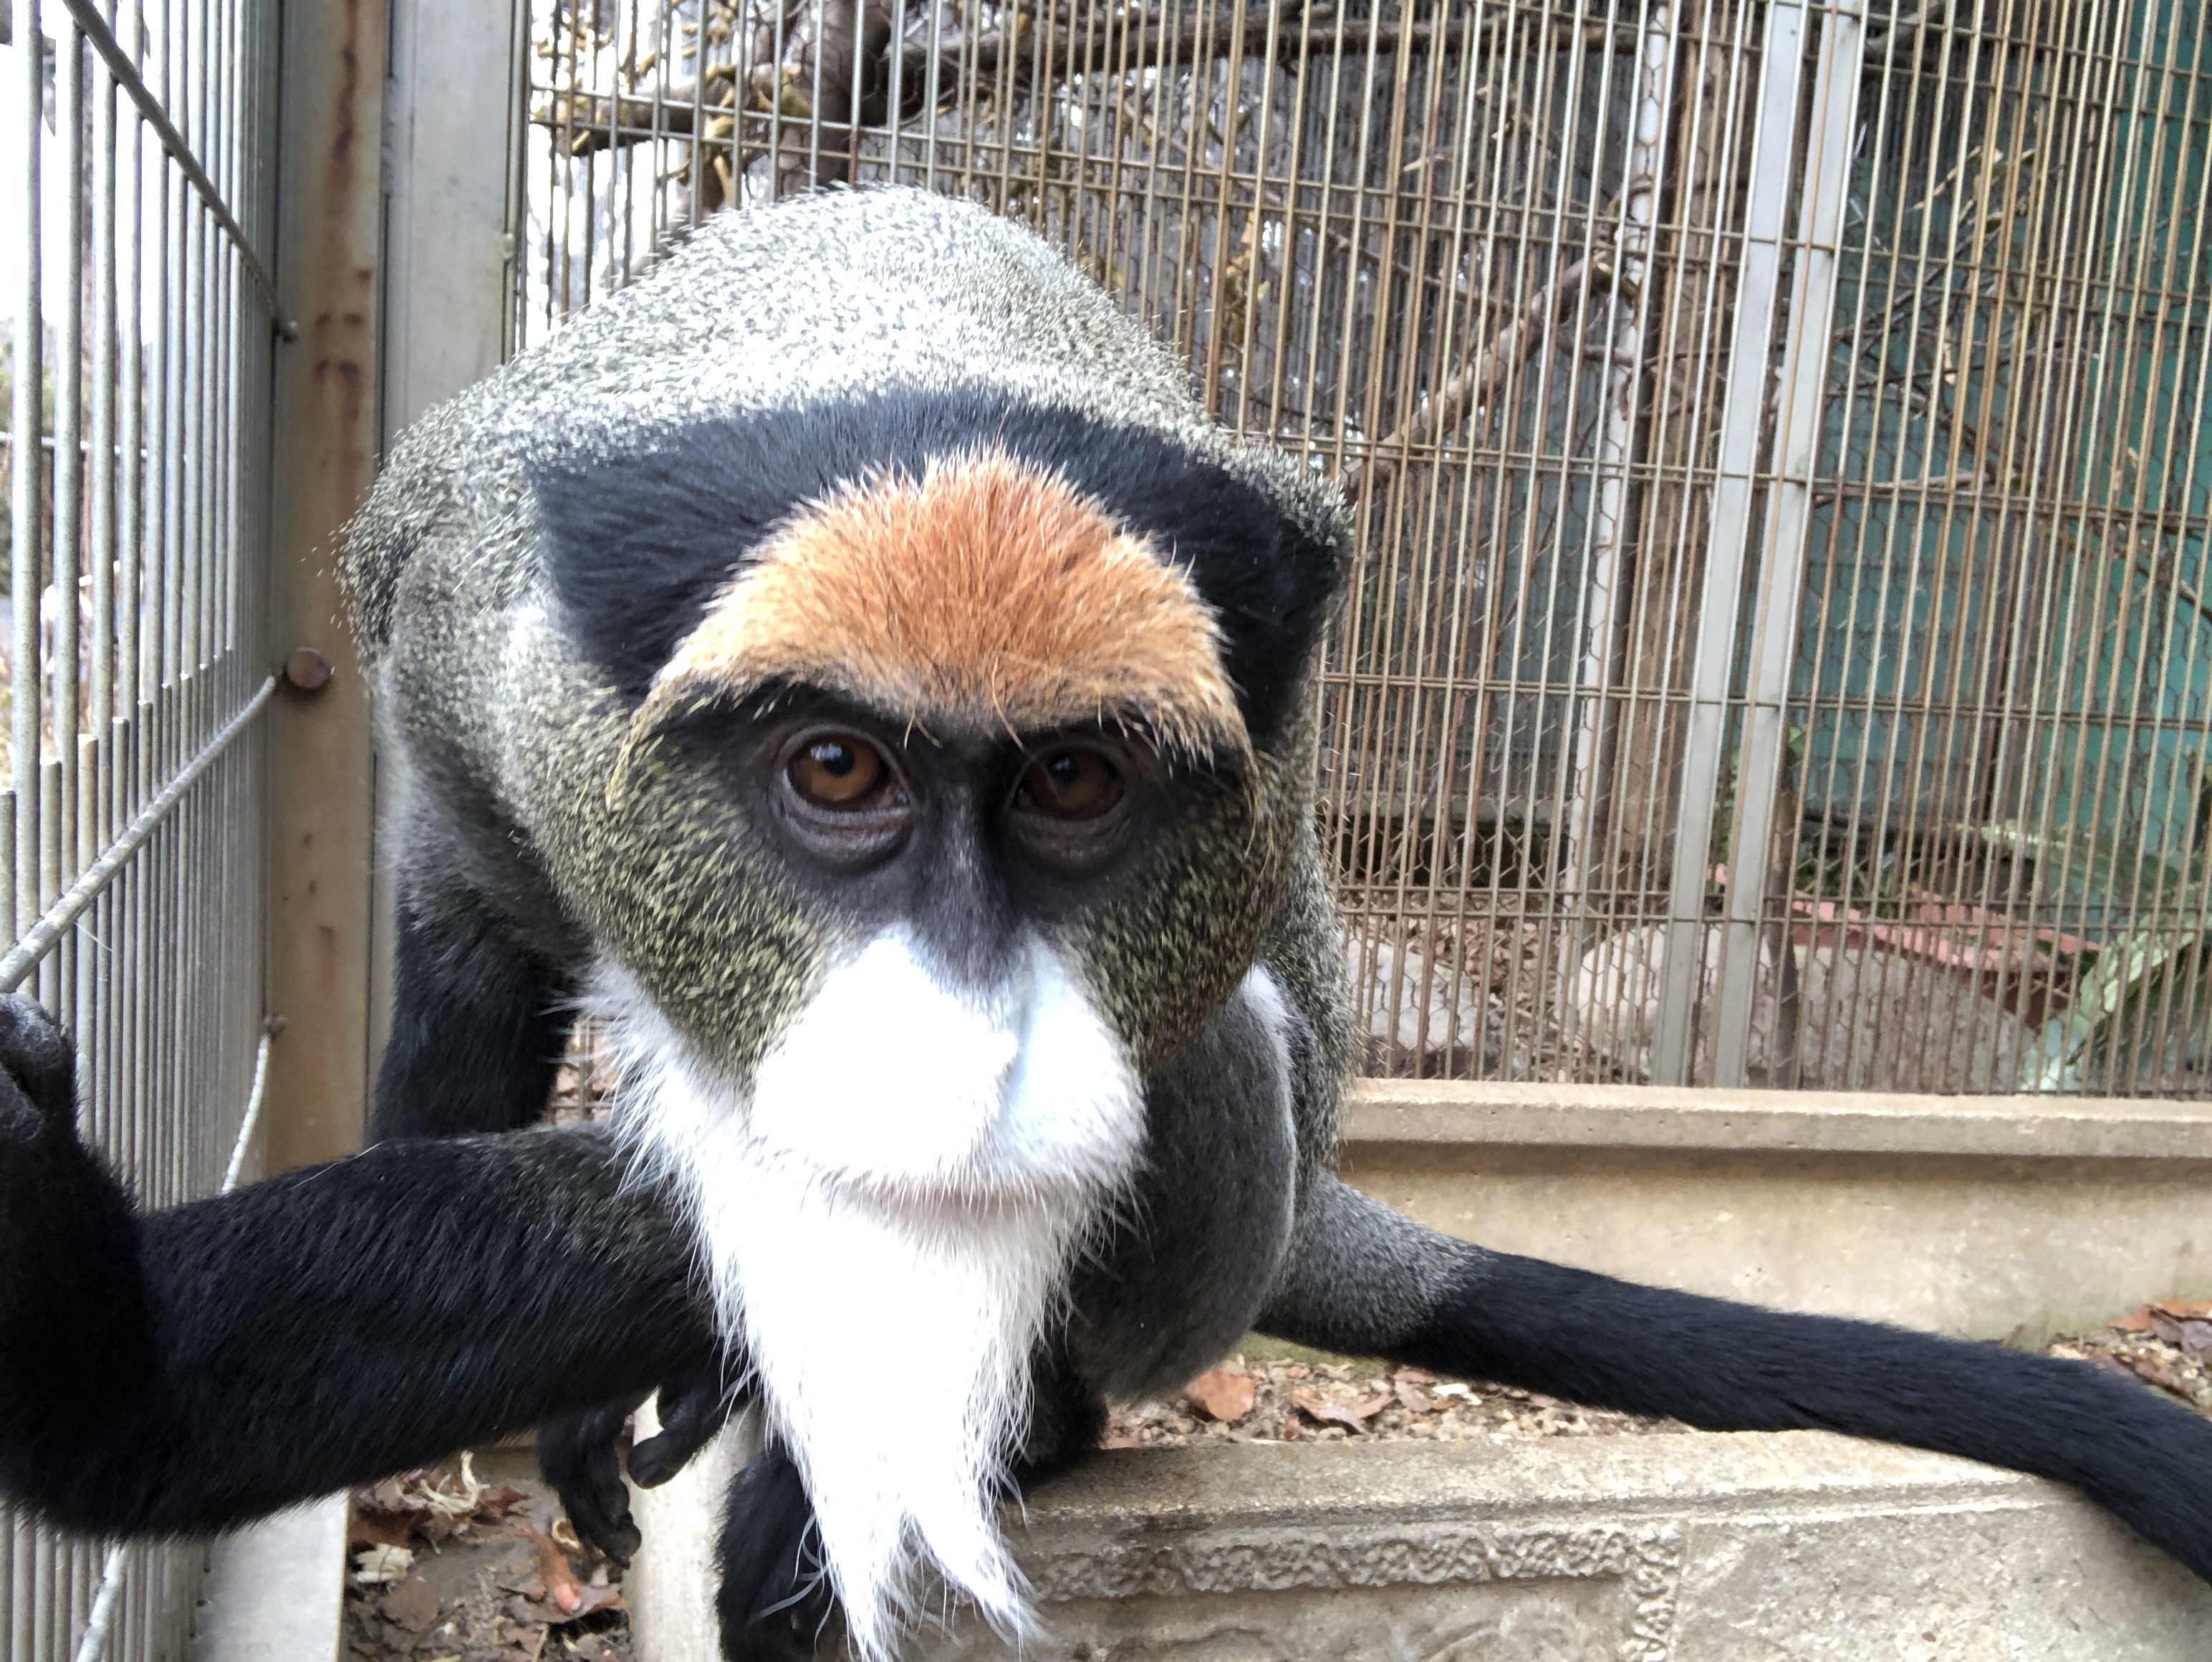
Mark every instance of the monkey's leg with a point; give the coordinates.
(772, 1601)
(186, 1370)
(1362, 1280)
(477, 1025)
(476, 1035)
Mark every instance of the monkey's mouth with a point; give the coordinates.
(1016, 1094)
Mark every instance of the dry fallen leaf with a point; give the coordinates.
(2181, 1310)
(498, 1502)
(380, 1565)
(556, 1575)
(375, 1529)
(1353, 1415)
(564, 1597)
(1225, 1394)
(596, 1599)
(2193, 1335)
(413, 1605)
(387, 1496)
(2154, 1372)
(439, 1527)
(1411, 1397)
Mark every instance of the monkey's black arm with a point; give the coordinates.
(1365, 1281)
(186, 1370)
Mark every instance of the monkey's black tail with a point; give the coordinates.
(1722, 1366)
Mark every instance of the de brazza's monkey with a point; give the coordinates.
(848, 661)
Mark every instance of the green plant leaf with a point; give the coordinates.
(2115, 985)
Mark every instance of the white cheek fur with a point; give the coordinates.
(906, 1176)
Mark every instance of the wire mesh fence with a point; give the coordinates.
(1778, 435)
(135, 199)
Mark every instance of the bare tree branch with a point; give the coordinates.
(1476, 382)
(843, 77)
(933, 70)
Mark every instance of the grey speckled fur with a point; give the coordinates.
(903, 289)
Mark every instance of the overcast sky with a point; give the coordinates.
(15, 245)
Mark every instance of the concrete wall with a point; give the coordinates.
(1984, 1216)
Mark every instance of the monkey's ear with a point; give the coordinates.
(40, 1064)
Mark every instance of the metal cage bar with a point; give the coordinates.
(1778, 440)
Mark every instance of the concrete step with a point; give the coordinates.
(1658, 1549)
(1985, 1216)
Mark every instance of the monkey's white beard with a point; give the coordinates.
(888, 1218)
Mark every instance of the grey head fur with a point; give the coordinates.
(502, 724)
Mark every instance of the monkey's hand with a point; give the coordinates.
(183, 1371)
(577, 1455)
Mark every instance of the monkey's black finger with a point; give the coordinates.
(577, 1456)
(35, 1052)
(660, 1457)
(691, 1414)
(771, 1601)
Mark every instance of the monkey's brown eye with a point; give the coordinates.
(839, 771)
(1072, 782)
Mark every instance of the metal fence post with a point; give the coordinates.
(448, 244)
(1800, 398)
(1765, 223)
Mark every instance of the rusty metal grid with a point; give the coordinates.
(139, 313)
(1779, 652)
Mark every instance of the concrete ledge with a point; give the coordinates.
(276, 1591)
(1448, 1111)
(1683, 1549)
(1986, 1216)
(1666, 1548)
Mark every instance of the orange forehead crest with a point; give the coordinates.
(985, 593)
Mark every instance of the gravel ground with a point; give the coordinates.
(1258, 1400)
